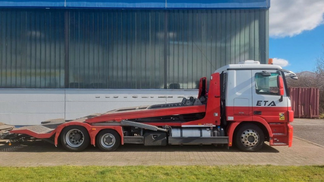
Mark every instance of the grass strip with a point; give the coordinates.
(164, 173)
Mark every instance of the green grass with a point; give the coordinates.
(163, 173)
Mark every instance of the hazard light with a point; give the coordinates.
(270, 61)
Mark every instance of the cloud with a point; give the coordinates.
(280, 62)
(292, 17)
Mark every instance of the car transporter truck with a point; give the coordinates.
(245, 105)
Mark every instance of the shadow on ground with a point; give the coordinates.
(40, 146)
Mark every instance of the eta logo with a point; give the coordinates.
(265, 103)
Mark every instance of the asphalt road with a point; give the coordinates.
(309, 129)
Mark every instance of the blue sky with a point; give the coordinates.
(296, 33)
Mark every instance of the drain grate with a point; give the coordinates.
(11, 148)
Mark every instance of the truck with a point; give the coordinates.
(243, 105)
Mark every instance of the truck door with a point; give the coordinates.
(239, 100)
(267, 102)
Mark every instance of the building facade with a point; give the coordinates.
(69, 58)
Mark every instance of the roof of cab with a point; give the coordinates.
(248, 64)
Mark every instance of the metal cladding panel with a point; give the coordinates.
(160, 4)
(305, 102)
(33, 3)
(134, 49)
(218, 4)
(32, 49)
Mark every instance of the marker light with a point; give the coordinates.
(270, 61)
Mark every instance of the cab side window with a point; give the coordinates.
(266, 83)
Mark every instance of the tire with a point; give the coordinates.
(249, 138)
(75, 138)
(108, 140)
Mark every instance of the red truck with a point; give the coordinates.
(246, 104)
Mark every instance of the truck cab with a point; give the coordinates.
(257, 104)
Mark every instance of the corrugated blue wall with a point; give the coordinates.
(147, 4)
(129, 49)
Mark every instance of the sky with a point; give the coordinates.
(296, 29)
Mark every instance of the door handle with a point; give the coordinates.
(257, 112)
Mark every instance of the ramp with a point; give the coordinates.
(4, 130)
(38, 129)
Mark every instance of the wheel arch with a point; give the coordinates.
(92, 131)
(60, 128)
(112, 132)
(106, 129)
(260, 125)
(263, 125)
(67, 134)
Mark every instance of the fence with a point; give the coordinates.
(305, 102)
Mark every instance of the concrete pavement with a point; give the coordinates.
(307, 149)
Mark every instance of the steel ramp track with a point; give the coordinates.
(37, 129)
(53, 121)
(142, 125)
(4, 130)
(5, 127)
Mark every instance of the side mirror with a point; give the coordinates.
(291, 74)
(281, 87)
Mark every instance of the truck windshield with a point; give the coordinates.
(266, 84)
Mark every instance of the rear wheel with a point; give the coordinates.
(249, 137)
(108, 140)
(75, 138)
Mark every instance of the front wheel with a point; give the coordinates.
(108, 140)
(75, 138)
(249, 137)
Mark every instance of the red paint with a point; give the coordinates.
(270, 114)
(213, 104)
(202, 83)
(72, 123)
(290, 135)
(122, 115)
(230, 132)
(96, 129)
(213, 107)
(270, 119)
(30, 133)
(281, 86)
(212, 110)
(290, 115)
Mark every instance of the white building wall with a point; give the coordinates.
(32, 106)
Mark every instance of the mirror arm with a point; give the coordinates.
(281, 98)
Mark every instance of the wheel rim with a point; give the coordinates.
(74, 138)
(108, 140)
(250, 138)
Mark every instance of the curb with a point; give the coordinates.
(319, 145)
